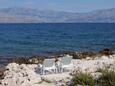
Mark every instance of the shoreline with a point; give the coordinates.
(18, 73)
(75, 54)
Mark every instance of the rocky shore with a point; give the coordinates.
(23, 72)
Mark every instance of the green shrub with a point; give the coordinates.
(82, 79)
(107, 78)
(101, 70)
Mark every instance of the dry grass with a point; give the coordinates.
(82, 79)
(107, 78)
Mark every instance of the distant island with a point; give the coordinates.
(29, 15)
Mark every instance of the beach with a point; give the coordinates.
(24, 74)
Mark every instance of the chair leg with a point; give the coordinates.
(43, 72)
(55, 70)
(62, 70)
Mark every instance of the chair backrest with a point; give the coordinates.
(66, 60)
(48, 62)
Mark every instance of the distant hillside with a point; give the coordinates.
(27, 15)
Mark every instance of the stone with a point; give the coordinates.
(20, 75)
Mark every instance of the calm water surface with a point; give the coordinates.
(33, 39)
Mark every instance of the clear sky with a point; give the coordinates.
(61, 5)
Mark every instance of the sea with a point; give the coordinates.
(33, 39)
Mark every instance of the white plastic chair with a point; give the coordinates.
(66, 63)
(49, 65)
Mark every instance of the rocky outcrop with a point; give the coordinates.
(20, 75)
(106, 52)
(26, 75)
(2, 70)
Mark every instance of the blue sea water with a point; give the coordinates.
(33, 39)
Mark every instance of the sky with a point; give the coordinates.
(60, 5)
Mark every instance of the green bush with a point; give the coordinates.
(107, 78)
(82, 79)
(99, 70)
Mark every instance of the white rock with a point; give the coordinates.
(56, 77)
(25, 75)
(104, 58)
(20, 75)
(88, 58)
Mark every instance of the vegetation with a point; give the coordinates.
(82, 79)
(107, 78)
(101, 70)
